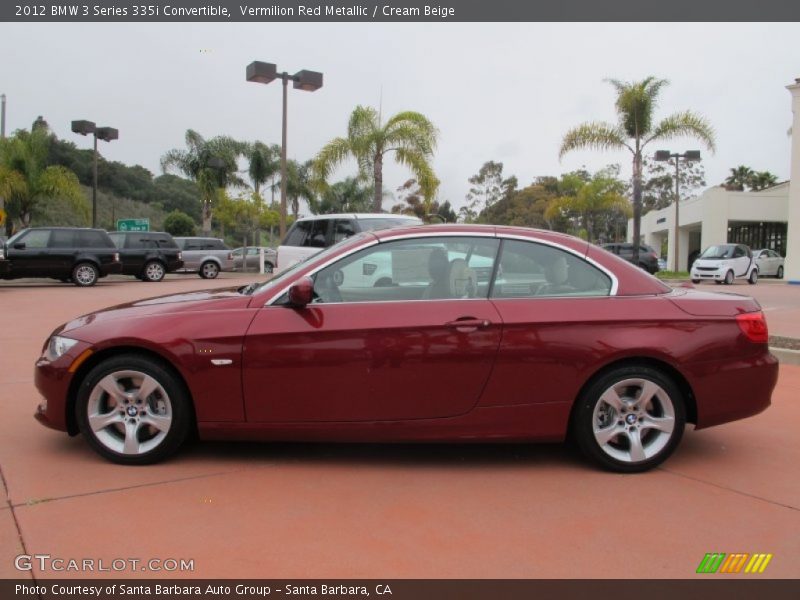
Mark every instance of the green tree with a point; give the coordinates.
(635, 130)
(413, 202)
(26, 181)
(349, 195)
(762, 180)
(176, 193)
(409, 135)
(179, 224)
(594, 202)
(524, 208)
(658, 189)
(488, 187)
(740, 177)
(211, 164)
(299, 184)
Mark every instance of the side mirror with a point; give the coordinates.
(19, 246)
(301, 292)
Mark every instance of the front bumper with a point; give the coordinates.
(53, 380)
(718, 275)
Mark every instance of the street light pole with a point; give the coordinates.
(688, 156)
(309, 81)
(106, 134)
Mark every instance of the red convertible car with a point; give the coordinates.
(435, 333)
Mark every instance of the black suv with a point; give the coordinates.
(147, 255)
(64, 253)
(648, 259)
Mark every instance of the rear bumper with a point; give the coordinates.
(733, 390)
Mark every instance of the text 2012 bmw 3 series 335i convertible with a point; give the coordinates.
(435, 333)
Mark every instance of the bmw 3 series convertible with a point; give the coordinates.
(417, 334)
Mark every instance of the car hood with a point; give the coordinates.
(218, 299)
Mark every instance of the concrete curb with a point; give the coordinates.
(786, 356)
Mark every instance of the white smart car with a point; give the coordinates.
(725, 263)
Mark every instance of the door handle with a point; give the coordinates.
(466, 324)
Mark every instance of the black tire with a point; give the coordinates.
(729, 278)
(268, 267)
(177, 404)
(209, 270)
(753, 279)
(667, 404)
(154, 271)
(695, 281)
(779, 274)
(85, 274)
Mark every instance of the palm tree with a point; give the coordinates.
(349, 195)
(635, 104)
(211, 164)
(298, 184)
(739, 177)
(26, 182)
(762, 180)
(410, 135)
(597, 198)
(263, 163)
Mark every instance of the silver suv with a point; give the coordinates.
(205, 256)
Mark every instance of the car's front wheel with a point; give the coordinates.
(209, 270)
(629, 419)
(132, 410)
(729, 278)
(153, 271)
(85, 274)
(695, 281)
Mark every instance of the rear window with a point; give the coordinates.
(93, 239)
(165, 241)
(313, 234)
(118, 239)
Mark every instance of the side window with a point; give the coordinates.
(118, 239)
(404, 270)
(342, 228)
(35, 239)
(318, 234)
(62, 238)
(93, 239)
(738, 252)
(166, 242)
(135, 242)
(529, 269)
(297, 234)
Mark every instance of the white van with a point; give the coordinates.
(309, 235)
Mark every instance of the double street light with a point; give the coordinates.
(106, 134)
(309, 81)
(688, 156)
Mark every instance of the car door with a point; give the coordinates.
(29, 254)
(61, 252)
(741, 261)
(553, 305)
(362, 352)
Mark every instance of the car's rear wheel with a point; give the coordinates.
(729, 278)
(85, 274)
(153, 271)
(132, 410)
(753, 279)
(779, 274)
(209, 270)
(629, 419)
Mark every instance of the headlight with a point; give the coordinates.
(58, 346)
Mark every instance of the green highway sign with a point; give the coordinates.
(133, 224)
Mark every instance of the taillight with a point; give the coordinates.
(180, 255)
(754, 326)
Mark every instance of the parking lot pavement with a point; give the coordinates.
(305, 510)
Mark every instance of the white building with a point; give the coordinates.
(765, 219)
(719, 216)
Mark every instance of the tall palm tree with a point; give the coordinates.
(635, 104)
(349, 195)
(763, 180)
(211, 164)
(740, 177)
(26, 182)
(597, 198)
(409, 135)
(263, 163)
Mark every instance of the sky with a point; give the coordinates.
(496, 91)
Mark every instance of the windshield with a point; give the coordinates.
(718, 252)
(284, 275)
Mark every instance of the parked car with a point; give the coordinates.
(724, 263)
(147, 255)
(247, 258)
(769, 262)
(72, 254)
(205, 256)
(309, 235)
(648, 258)
(562, 338)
